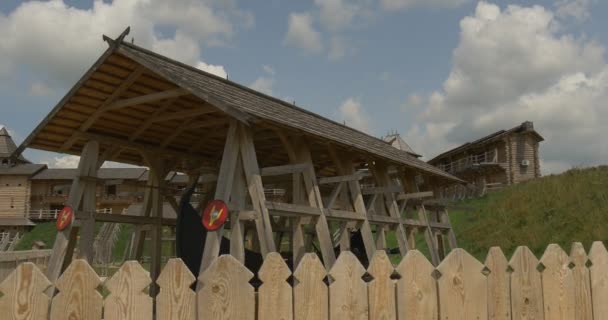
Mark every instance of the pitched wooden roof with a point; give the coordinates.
(190, 117)
(526, 126)
(7, 146)
(103, 173)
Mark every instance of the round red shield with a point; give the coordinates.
(215, 215)
(64, 218)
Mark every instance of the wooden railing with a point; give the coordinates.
(9, 260)
(51, 214)
(469, 161)
(566, 287)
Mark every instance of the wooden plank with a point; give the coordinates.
(127, 299)
(381, 289)
(382, 190)
(557, 284)
(152, 97)
(175, 301)
(337, 190)
(526, 287)
(310, 294)
(86, 165)
(417, 289)
(598, 272)
(222, 192)
(292, 208)
(462, 287)
(239, 193)
(583, 307)
(78, 297)
(284, 169)
(145, 125)
(197, 111)
(256, 190)
(23, 294)
(348, 292)
(415, 195)
(226, 292)
(275, 300)
(499, 295)
(344, 178)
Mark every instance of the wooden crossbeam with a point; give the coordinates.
(125, 143)
(105, 105)
(197, 111)
(351, 177)
(285, 169)
(382, 190)
(152, 97)
(416, 195)
(144, 126)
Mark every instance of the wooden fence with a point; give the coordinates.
(559, 286)
(9, 260)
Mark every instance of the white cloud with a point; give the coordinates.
(302, 34)
(336, 15)
(68, 161)
(510, 66)
(408, 4)
(214, 69)
(352, 114)
(337, 48)
(268, 69)
(40, 89)
(578, 9)
(57, 41)
(263, 84)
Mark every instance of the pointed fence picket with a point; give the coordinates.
(559, 286)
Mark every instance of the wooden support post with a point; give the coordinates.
(346, 167)
(314, 198)
(65, 240)
(380, 172)
(158, 171)
(237, 242)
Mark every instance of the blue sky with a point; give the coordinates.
(441, 72)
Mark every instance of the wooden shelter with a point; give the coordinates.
(138, 107)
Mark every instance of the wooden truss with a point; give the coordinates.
(307, 217)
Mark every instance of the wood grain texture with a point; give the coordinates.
(275, 299)
(226, 292)
(582, 283)
(558, 284)
(310, 292)
(23, 294)
(598, 273)
(499, 295)
(417, 289)
(78, 297)
(348, 292)
(127, 299)
(462, 287)
(381, 290)
(526, 287)
(176, 301)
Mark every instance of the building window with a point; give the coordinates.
(111, 190)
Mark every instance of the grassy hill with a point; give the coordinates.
(562, 209)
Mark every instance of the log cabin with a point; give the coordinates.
(502, 158)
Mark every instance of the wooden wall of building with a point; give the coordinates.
(14, 195)
(523, 147)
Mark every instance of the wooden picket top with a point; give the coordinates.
(310, 294)
(582, 282)
(556, 287)
(381, 290)
(348, 291)
(599, 280)
(462, 287)
(24, 297)
(127, 299)
(275, 294)
(417, 289)
(78, 297)
(176, 301)
(526, 287)
(226, 292)
(499, 295)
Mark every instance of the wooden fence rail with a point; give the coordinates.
(9, 260)
(556, 287)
